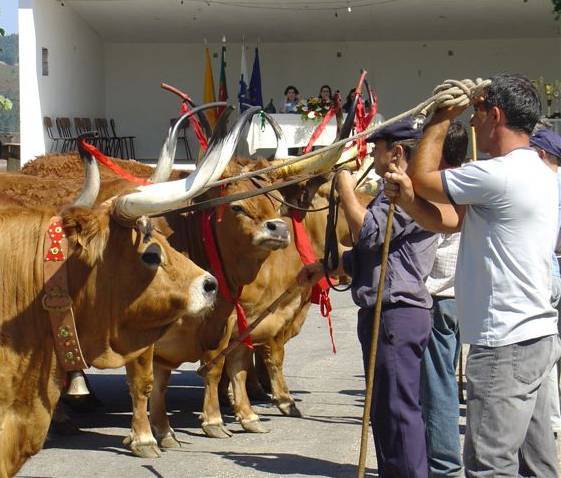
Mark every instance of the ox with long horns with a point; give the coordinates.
(247, 232)
(125, 283)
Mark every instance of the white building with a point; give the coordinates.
(107, 58)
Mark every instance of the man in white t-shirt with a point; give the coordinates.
(506, 209)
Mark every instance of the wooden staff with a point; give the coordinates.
(374, 345)
(208, 365)
(473, 144)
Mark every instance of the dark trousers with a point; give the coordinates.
(397, 422)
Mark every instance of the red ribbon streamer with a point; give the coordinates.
(320, 291)
(321, 127)
(97, 154)
(196, 125)
(216, 265)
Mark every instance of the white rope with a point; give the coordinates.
(451, 93)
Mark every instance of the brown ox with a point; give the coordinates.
(248, 231)
(277, 275)
(127, 287)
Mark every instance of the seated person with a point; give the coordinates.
(325, 95)
(290, 100)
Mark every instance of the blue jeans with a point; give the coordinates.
(439, 391)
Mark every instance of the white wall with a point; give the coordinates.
(75, 85)
(403, 73)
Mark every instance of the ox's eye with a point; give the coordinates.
(152, 257)
(237, 208)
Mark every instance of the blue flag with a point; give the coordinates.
(242, 92)
(255, 95)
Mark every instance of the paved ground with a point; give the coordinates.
(329, 391)
(325, 443)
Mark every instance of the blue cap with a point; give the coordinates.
(406, 128)
(547, 140)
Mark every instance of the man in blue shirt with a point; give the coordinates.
(397, 423)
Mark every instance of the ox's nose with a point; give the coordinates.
(210, 285)
(277, 227)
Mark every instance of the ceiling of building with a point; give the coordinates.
(315, 20)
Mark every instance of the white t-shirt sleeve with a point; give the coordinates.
(481, 182)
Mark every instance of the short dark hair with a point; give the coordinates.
(515, 95)
(455, 145)
(290, 87)
(409, 146)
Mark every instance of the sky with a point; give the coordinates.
(9, 16)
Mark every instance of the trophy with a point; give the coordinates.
(540, 86)
(548, 89)
(557, 99)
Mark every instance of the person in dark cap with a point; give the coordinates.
(397, 423)
(547, 144)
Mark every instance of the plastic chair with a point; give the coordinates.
(126, 142)
(64, 128)
(55, 140)
(183, 137)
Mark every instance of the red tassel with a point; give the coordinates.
(320, 291)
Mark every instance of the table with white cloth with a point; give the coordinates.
(296, 130)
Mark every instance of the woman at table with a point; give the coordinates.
(290, 100)
(325, 95)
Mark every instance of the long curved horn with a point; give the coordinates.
(92, 181)
(203, 119)
(167, 153)
(163, 197)
(282, 143)
(322, 161)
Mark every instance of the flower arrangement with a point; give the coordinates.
(312, 109)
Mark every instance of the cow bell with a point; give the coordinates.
(77, 384)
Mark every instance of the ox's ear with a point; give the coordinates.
(87, 231)
(233, 168)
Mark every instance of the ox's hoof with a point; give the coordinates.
(254, 426)
(147, 448)
(217, 430)
(289, 409)
(169, 440)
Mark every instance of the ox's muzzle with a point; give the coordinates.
(274, 235)
(202, 295)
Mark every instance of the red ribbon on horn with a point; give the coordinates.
(97, 154)
(196, 125)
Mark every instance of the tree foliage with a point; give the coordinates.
(557, 8)
(9, 49)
